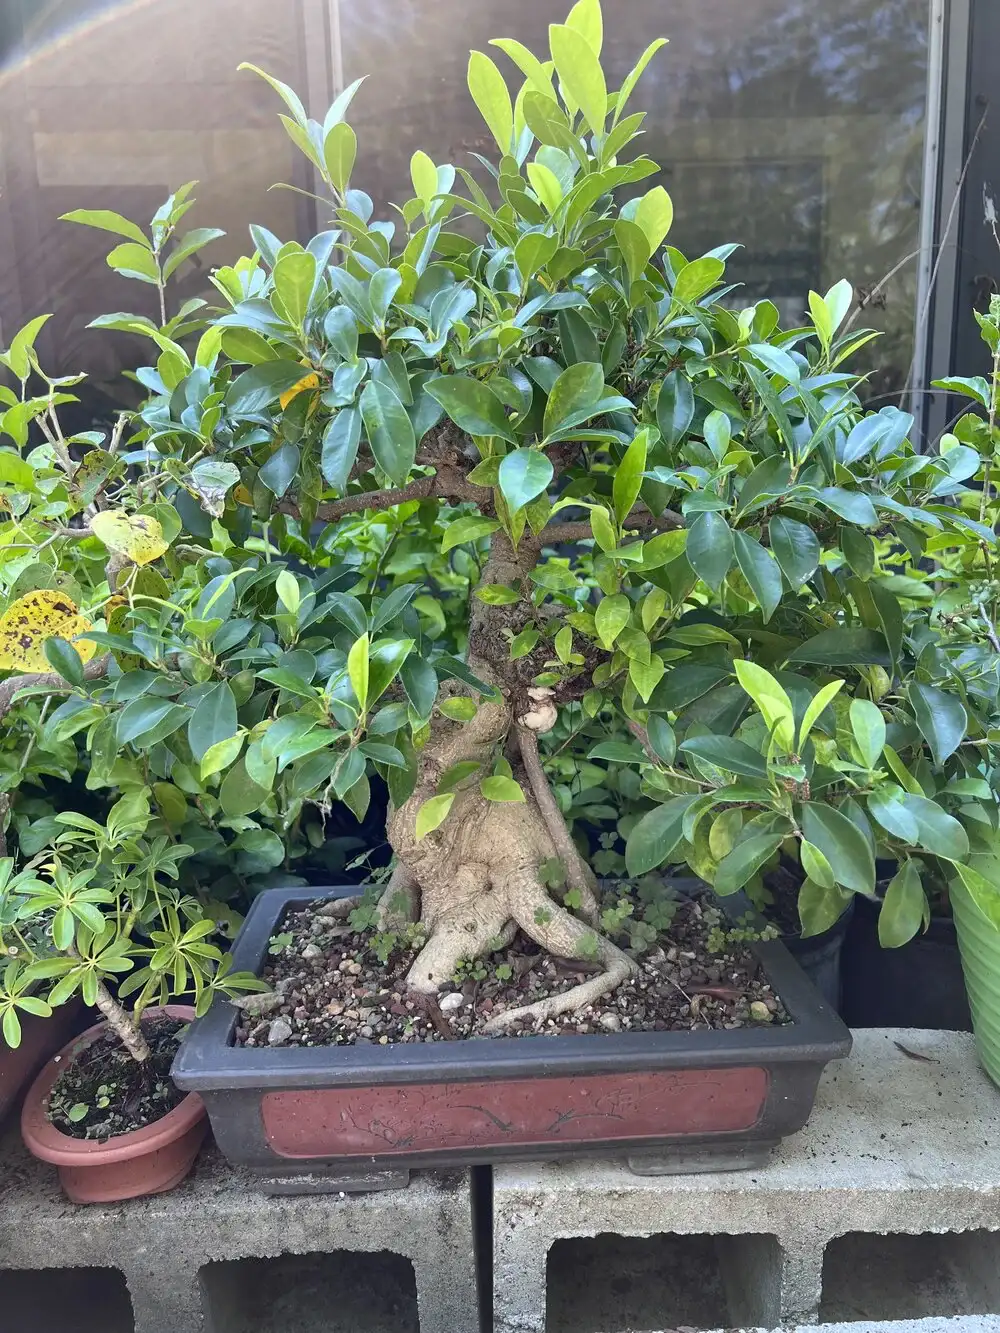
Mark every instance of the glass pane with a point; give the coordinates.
(792, 126)
(112, 106)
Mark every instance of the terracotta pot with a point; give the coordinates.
(145, 1161)
(40, 1039)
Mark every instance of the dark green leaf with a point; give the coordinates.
(726, 752)
(656, 835)
(760, 569)
(390, 431)
(65, 659)
(903, 908)
(577, 390)
(340, 447)
(147, 715)
(843, 647)
(941, 717)
(280, 470)
(746, 858)
(260, 386)
(674, 407)
(796, 548)
(710, 548)
(919, 822)
(843, 845)
(524, 474)
(471, 405)
(213, 720)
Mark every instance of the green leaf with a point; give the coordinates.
(654, 214)
(842, 843)
(674, 407)
(258, 851)
(645, 676)
(635, 74)
(387, 658)
(796, 548)
(868, 726)
(524, 474)
(843, 648)
(64, 658)
(419, 680)
(728, 753)
(280, 470)
(339, 153)
(576, 393)
(261, 385)
(919, 822)
(190, 243)
(213, 720)
(134, 261)
(904, 907)
(489, 92)
(105, 220)
(710, 548)
(145, 715)
(760, 569)
(586, 18)
(850, 505)
(697, 278)
(656, 835)
(820, 908)
(471, 405)
(580, 73)
(24, 341)
(859, 551)
(941, 717)
(663, 548)
(459, 708)
(221, 755)
(294, 279)
(390, 432)
(611, 617)
(815, 865)
(357, 668)
(469, 528)
(286, 585)
(499, 788)
(340, 447)
(816, 707)
(239, 795)
(746, 858)
(433, 813)
(628, 477)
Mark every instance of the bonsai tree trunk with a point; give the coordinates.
(123, 1024)
(477, 877)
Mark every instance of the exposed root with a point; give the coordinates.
(578, 875)
(399, 904)
(561, 933)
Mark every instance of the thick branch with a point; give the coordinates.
(123, 1024)
(640, 518)
(94, 670)
(449, 483)
(577, 875)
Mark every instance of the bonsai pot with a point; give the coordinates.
(343, 1117)
(918, 985)
(40, 1039)
(145, 1161)
(979, 942)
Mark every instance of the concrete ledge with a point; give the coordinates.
(850, 1222)
(215, 1256)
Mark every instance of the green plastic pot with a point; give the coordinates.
(979, 944)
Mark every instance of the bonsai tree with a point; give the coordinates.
(98, 915)
(685, 528)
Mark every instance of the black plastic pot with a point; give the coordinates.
(820, 957)
(360, 1117)
(919, 985)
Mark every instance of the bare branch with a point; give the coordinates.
(94, 670)
(447, 484)
(640, 518)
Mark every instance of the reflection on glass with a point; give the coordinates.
(792, 126)
(113, 105)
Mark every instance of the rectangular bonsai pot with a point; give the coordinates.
(361, 1117)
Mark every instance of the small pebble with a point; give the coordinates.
(760, 1011)
(610, 1022)
(453, 1000)
(279, 1032)
(312, 953)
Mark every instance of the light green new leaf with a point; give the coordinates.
(654, 214)
(628, 478)
(771, 699)
(221, 755)
(467, 529)
(820, 701)
(500, 788)
(628, 87)
(820, 908)
(815, 865)
(611, 617)
(490, 94)
(294, 278)
(357, 668)
(580, 73)
(433, 813)
(868, 726)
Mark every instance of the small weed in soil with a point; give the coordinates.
(105, 1092)
(333, 984)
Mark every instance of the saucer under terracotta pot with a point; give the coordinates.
(145, 1161)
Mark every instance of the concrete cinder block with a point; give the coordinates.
(216, 1256)
(905, 1138)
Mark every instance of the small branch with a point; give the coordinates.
(640, 518)
(577, 876)
(639, 732)
(447, 484)
(94, 670)
(123, 1024)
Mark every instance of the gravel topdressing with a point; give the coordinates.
(328, 988)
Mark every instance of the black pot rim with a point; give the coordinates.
(209, 1060)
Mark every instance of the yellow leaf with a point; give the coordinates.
(135, 535)
(311, 381)
(32, 619)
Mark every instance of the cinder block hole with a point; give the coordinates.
(608, 1283)
(342, 1292)
(869, 1276)
(54, 1300)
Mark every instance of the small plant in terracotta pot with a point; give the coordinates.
(99, 916)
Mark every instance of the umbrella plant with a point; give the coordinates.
(682, 525)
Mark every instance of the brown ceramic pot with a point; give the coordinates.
(146, 1161)
(40, 1039)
